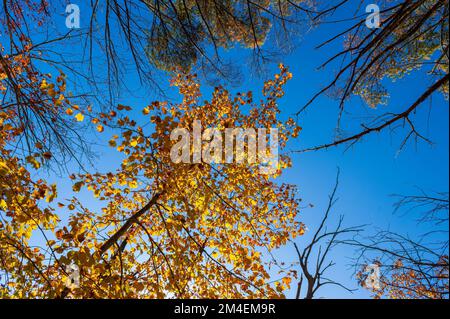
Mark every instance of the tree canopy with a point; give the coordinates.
(202, 229)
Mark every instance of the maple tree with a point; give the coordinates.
(184, 230)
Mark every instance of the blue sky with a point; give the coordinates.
(371, 171)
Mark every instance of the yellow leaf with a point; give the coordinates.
(100, 128)
(133, 184)
(32, 160)
(79, 117)
(134, 143)
(287, 281)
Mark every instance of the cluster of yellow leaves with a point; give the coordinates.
(23, 212)
(212, 225)
(29, 267)
(205, 236)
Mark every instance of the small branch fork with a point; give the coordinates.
(313, 271)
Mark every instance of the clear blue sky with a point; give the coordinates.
(370, 171)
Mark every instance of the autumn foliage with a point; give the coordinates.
(153, 228)
(164, 229)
